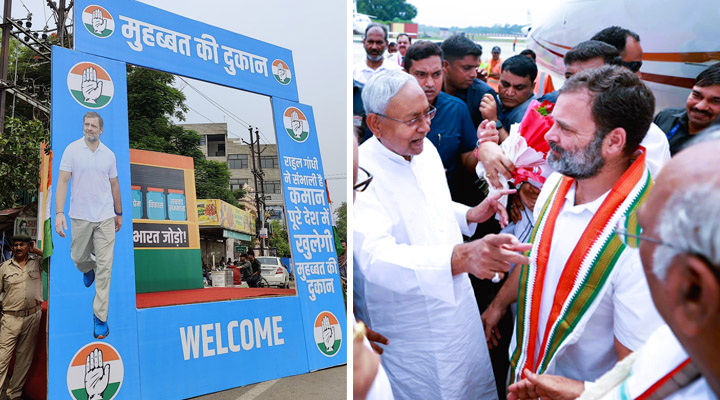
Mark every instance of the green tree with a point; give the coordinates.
(387, 10)
(20, 161)
(152, 102)
(212, 181)
(279, 239)
(341, 221)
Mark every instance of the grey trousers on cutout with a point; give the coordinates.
(98, 238)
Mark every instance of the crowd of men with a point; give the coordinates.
(613, 292)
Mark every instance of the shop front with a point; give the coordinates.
(226, 231)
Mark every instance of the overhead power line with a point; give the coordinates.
(229, 113)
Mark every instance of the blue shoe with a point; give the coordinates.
(101, 329)
(89, 278)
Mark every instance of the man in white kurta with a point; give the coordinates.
(375, 42)
(583, 302)
(676, 232)
(625, 313)
(410, 270)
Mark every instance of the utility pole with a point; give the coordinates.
(60, 13)
(33, 41)
(262, 189)
(61, 23)
(252, 156)
(4, 59)
(259, 188)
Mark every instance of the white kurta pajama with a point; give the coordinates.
(405, 229)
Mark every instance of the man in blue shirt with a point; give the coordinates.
(452, 131)
(461, 58)
(516, 91)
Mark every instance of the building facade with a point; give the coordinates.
(217, 146)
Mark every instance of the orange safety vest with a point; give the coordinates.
(543, 84)
(494, 67)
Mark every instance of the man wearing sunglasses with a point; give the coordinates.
(626, 42)
(676, 232)
(410, 260)
(583, 302)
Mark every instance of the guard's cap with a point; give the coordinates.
(21, 238)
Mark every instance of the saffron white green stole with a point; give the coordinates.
(584, 276)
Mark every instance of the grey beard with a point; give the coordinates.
(579, 164)
(374, 59)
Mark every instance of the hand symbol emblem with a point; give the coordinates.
(97, 375)
(91, 86)
(297, 125)
(99, 23)
(328, 334)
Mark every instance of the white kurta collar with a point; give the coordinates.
(387, 153)
(592, 206)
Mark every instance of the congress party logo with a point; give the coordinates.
(296, 125)
(281, 72)
(90, 85)
(95, 372)
(98, 21)
(328, 334)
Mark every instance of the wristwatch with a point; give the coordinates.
(119, 214)
(498, 124)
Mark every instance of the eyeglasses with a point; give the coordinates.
(633, 66)
(429, 115)
(364, 182)
(629, 223)
(630, 232)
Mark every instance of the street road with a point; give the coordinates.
(327, 384)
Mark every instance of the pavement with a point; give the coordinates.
(326, 384)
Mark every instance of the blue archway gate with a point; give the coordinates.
(186, 350)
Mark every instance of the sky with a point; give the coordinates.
(464, 13)
(320, 68)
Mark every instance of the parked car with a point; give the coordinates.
(274, 272)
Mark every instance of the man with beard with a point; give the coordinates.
(374, 42)
(701, 110)
(583, 301)
(95, 212)
(676, 233)
(585, 55)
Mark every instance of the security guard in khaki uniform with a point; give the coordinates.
(21, 282)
